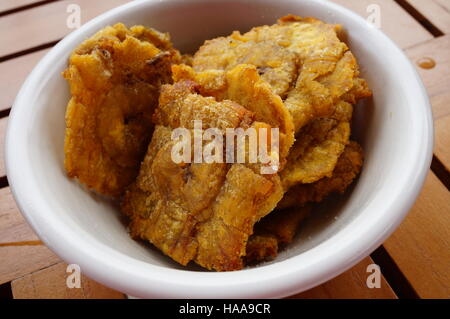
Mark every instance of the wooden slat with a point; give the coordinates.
(3, 124)
(6, 5)
(45, 23)
(420, 246)
(437, 79)
(437, 83)
(50, 283)
(351, 285)
(442, 140)
(436, 11)
(395, 22)
(17, 261)
(12, 75)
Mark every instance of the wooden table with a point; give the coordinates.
(414, 261)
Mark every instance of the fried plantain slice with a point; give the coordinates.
(318, 147)
(302, 59)
(346, 170)
(245, 198)
(114, 79)
(273, 232)
(202, 212)
(243, 85)
(318, 90)
(261, 247)
(275, 65)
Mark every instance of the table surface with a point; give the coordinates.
(414, 261)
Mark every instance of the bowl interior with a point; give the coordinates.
(384, 125)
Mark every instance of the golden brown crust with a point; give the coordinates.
(346, 170)
(243, 85)
(302, 59)
(320, 87)
(297, 76)
(318, 147)
(198, 211)
(275, 65)
(114, 79)
(240, 204)
(180, 105)
(261, 247)
(273, 232)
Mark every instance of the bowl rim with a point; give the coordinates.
(311, 268)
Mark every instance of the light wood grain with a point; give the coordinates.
(437, 79)
(420, 246)
(17, 261)
(436, 11)
(50, 283)
(6, 5)
(3, 124)
(442, 141)
(437, 83)
(350, 285)
(45, 23)
(13, 227)
(12, 75)
(395, 22)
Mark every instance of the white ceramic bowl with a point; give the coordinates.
(396, 131)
